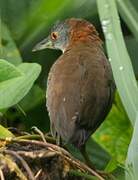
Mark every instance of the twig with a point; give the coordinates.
(38, 153)
(34, 128)
(38, 173)
(1, 175)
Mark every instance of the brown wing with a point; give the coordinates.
(79, 93)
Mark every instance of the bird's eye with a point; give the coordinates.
(54, 35)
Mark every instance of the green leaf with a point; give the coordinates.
(4, 133)
(112, 165)
(8, 71)
(132, 158)
(129, 15)
(8, 48)
(14, 89)
(132, 43)
(119, 58)
(115, 133)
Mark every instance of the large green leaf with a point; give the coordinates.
(14, 89)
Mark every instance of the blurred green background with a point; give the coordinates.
(23, 24)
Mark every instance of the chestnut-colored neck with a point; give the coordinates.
(84, 39)
(81, 36)
(82, 32)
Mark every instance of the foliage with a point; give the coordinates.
(15, 82)
(111, 134)
(25, 22)
(120, 61)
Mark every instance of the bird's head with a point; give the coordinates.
(66, 33)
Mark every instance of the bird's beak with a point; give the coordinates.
(46, 43)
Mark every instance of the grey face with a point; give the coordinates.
(58, 39)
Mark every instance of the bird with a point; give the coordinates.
(80, 86)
